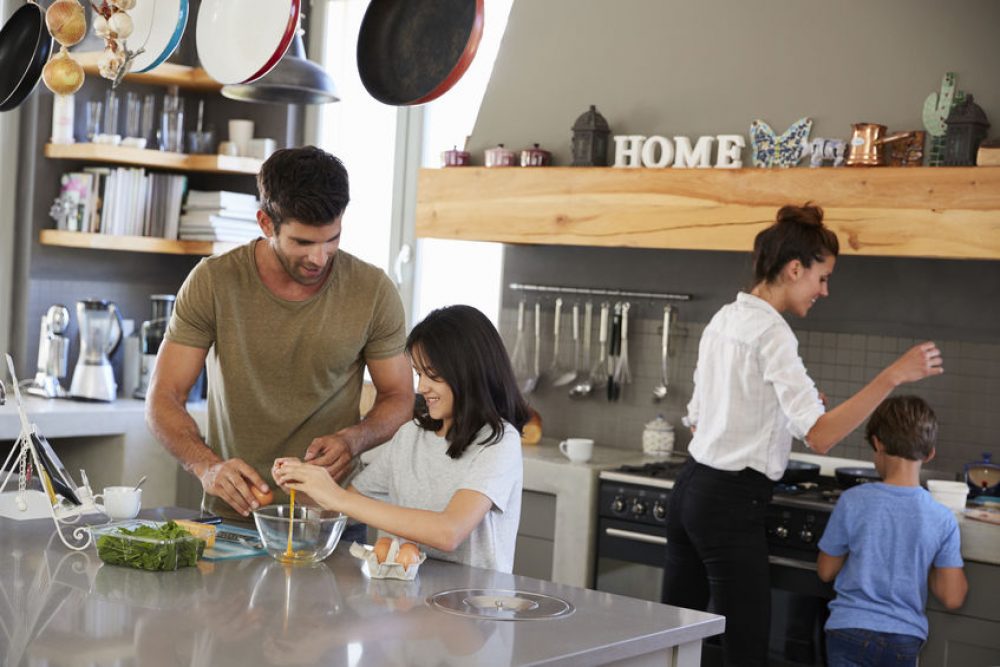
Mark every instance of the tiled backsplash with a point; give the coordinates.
(965, 398)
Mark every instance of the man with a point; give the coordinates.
(286, 326)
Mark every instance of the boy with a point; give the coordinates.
(899, 539)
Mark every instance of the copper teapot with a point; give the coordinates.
(866, 148)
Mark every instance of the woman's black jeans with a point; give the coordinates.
(717, 550)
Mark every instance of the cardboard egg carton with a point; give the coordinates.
(389, 569)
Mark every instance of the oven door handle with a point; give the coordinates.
(634, 536)
(791, 562)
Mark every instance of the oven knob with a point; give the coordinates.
(781, 532)
(618, 505)
(659, 511)
(638, 509)
(806, 536)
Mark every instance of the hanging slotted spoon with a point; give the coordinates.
(586, 385)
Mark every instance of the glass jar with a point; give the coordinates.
(658, 437)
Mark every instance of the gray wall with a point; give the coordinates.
(678, 68)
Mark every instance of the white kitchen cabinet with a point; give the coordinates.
(536, 535)
(969, 636)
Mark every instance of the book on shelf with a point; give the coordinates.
(219, 199)
(77, 198)
(217, 236)
(226, 213)
(126, 201)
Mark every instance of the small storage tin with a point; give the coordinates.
(455, 158)
(500, 157)
(535, 157)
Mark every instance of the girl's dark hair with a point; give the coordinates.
(905, 425)
(460, 346)
(799, 234)
(304, 184)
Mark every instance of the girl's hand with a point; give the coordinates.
(918, 362)
(311, 480)
(277, 464)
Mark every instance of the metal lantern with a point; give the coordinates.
(967, 127)
(590, 139)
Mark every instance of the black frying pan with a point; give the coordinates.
(413, 51)
(848, 477)
(798, 472)
(25, 45)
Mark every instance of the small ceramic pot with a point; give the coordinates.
(500, 157)
(535, 157)
(455, 158)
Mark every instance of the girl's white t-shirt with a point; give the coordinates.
(414, 470)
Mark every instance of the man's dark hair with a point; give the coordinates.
(305, 184)
(905, 425)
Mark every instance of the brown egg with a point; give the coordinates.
(262, 497)
(409, 554)
(382, 548)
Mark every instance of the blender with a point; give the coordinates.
(100, 333)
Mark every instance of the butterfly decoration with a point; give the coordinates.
(771, 150)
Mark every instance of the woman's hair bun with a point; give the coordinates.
(808, 214)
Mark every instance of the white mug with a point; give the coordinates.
(240, 133)
(121, 502)
(577, 450)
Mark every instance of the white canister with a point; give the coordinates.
(62, 120)
(658, 437)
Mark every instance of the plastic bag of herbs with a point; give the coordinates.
(149, 546)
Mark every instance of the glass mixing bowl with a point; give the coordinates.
(314, 532)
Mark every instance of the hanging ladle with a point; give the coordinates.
(660, 391)
(585, 386)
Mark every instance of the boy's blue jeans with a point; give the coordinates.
(864, 648)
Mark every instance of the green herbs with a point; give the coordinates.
(149, 547)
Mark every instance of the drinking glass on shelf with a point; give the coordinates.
(111, 117)
(94, 109)
(172, 122)
(148, 116)
(133, 114)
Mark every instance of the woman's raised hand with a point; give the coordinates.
(920, 361)
(309, 479)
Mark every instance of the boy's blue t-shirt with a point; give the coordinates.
(891, 535)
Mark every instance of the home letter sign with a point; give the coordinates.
(656, 152)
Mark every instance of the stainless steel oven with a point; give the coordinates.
(631, 551)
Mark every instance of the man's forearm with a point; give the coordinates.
(173, 426)
(388, 413)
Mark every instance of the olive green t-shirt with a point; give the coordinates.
(281, 373)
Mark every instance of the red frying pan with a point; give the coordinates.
(413, 51)
(25, 45)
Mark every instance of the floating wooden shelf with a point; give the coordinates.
(166, 74)
(143, 157)
(54, 237)
(946, 212)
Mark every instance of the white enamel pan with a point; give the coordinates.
(159, 25)
(240, 41)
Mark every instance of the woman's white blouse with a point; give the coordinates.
(752, 394)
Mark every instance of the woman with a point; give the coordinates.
(752, 395)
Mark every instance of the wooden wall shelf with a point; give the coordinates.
(945, 212)
(54, 237)
(144, 157)
(166, 74)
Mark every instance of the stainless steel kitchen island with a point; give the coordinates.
(60, 607)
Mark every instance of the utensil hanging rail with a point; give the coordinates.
(597, 291)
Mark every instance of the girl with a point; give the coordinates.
(451, 478)
(752, 395)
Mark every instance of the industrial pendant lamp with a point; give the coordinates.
(294, 80)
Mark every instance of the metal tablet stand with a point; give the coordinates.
(25, 503)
